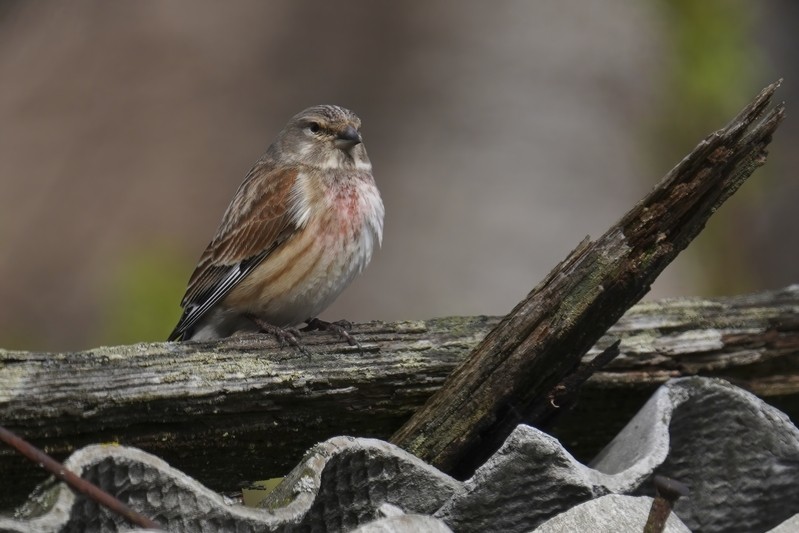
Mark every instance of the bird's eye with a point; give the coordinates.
(314, 127)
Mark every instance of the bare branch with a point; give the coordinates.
(76, 483)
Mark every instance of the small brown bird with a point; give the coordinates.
(301, 226)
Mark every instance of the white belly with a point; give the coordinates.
(303, 277)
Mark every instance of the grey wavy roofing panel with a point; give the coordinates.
(739, 456)
(612, 513)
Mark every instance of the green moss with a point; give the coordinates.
(255, 493)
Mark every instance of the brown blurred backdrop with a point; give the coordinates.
(501, 133)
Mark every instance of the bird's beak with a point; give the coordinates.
(347, 138)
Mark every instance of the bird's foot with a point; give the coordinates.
(339, 327)
(284, 336)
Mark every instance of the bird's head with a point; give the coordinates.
(325, 136)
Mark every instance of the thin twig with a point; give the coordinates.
(74, 481)
(564, 393)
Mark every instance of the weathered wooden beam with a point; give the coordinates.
(245, 409)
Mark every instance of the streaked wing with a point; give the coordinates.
(258, 220)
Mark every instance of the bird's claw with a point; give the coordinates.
(284, 336)
(339, 327)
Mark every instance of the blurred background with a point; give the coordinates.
(501, 134)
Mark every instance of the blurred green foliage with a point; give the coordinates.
(714, 73)
(143, 296)
(714, 68)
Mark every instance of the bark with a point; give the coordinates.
(539, 344)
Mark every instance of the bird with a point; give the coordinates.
(301, 226)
